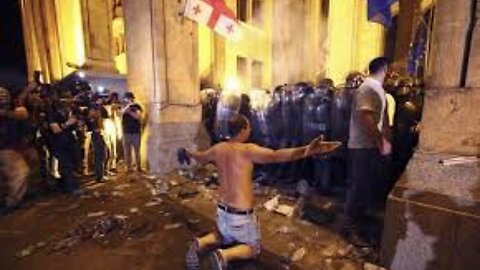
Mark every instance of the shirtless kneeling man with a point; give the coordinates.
(236, 221)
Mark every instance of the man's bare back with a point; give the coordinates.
(235, 173)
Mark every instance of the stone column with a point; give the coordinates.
(448, 44)
(406, 27)
(473, 75)
(162, 60)
(41, 38)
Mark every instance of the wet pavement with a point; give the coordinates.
(145, 222)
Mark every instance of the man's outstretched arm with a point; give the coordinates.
(262, 155)
(202, 156)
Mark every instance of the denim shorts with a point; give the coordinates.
(239, 229)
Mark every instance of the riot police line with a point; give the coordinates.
(294, 114)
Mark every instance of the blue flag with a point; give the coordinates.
(379, 11)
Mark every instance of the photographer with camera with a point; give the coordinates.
(62, 123)
(13, 168)
(96, 114)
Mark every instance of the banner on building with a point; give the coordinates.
(216, 15)
(379, 11)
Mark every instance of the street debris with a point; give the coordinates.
(330, 251)
(284, 230)
(152, 203)
(101, 196)
(186, 194)
(193, 221)
(94, 186)
(122, 186)
(273, 205)
(298, 255)
(90, 229)
(172, 226)
(133, 210)
(68, 208)
(118, 194)
(369, 266)
(26, 251)
(96, 214)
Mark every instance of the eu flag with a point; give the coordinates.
(379, 11)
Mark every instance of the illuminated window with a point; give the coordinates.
(242, 69)
(257, 12)
(242, 10)
(257, 70)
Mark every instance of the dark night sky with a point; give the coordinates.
(12, 51)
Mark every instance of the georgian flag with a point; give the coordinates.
(227, 27)
(199, 11)
(216, 15)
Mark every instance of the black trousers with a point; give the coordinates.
(67, 163)
(99, 155)
(364, 174)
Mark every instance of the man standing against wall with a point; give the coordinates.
(368, 142)
(131, 125)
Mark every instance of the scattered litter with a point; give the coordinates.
(186, 194)
(181, 172)
(193, 221)
(272, 204)
(298, 255)
(172, 226)
(330, 251)
(96, 214)
(122, 186)
(190, 175)
(118, 194)
(142, 229)
(303, 188)
(369, 266)
(44, 203)
(156, 199)
(26, 252)
(100, 196)
(284, 209)
(284, 230)
(91, 229)
(133, 210)
(154, 203)
(120, 216)
(166, 214)
(151, 177)
(94, 186)
(40, 244)
(345, 251)
(68, 208)
(173, 183)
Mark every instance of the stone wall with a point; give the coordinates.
(451, 121)
(163, 72)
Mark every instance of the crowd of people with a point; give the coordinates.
(64, 133)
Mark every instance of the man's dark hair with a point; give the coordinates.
(129, 95)
(236, 123)
(377, 64)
